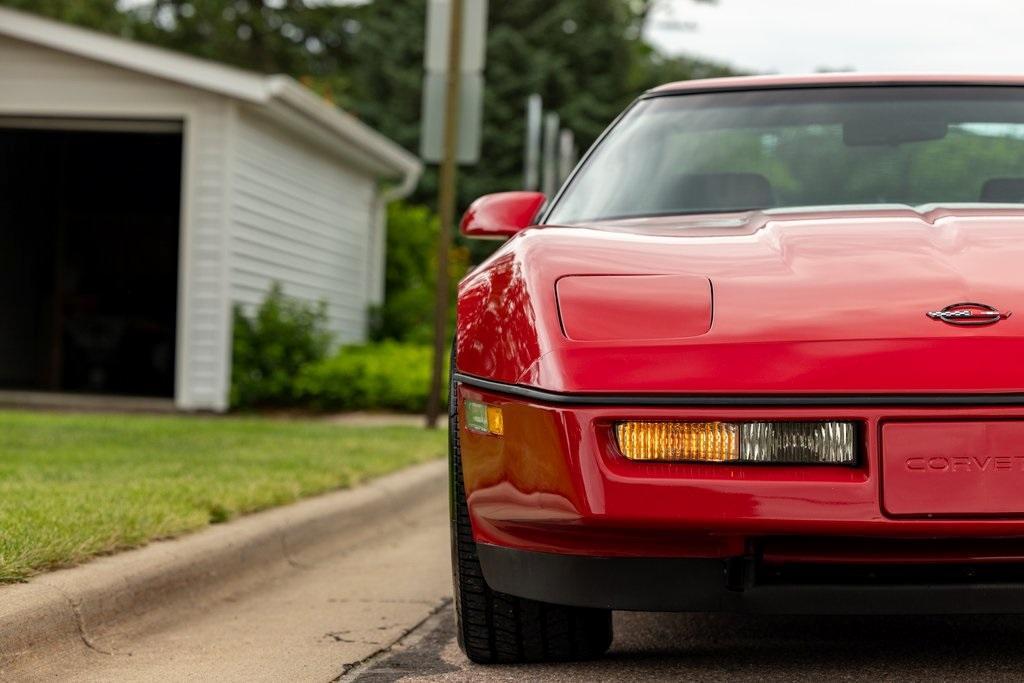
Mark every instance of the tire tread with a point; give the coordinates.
(496, 627)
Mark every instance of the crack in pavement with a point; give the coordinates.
(337, 637)
(350, 671)
(79, 620)
(287, 553)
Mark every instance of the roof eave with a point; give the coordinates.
(146, 59)
(390, 158)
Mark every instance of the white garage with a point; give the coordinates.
(143, 193)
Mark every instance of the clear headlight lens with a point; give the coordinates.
(739, 442)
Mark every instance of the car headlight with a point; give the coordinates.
(802, 443)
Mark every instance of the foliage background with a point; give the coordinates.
(407, 314)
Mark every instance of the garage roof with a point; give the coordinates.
(282, 97)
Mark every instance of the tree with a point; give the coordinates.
(272, 37)
(585, 58)
(101, 15)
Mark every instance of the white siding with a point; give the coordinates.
(302, 218)
(36, 81)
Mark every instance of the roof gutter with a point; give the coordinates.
(402, 190)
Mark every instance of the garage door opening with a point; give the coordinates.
(89, 240)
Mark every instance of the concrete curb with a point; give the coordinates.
(69, 609)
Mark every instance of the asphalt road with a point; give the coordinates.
(733, 648)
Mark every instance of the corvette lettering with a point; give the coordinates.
(967, 463)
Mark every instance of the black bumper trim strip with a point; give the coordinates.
(544, 396)
(703, 585)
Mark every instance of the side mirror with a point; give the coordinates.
(501, 215)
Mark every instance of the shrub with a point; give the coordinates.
(271, 347)
(384, 376)
(408, 311)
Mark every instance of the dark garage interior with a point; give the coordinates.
(89, 239)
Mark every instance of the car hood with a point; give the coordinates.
(809, 301)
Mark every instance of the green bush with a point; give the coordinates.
(273, 346)
(408, 311)
(384, 376)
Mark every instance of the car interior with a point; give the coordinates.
(731, 190)
(1002, 191)
(722, 191)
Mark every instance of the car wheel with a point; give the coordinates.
(494, 627)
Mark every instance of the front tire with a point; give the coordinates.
(495, 627)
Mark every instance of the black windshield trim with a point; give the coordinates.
(651, 94)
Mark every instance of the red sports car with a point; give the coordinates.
(757, 355)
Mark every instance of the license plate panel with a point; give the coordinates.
(953, 469)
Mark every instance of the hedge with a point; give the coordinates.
(384, 376)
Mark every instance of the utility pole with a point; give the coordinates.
(446, 209)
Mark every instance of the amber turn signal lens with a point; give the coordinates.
(798, 443)
(495, 421)
(700, 441)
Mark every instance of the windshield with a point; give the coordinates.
(740, 151)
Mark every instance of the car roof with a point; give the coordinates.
(831, 79)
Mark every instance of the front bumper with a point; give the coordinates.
(555, 483)
(715, 585)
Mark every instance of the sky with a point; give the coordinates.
(803, 36)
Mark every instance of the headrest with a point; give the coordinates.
(1003, 191)
(722, 191)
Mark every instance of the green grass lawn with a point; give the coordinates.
(73, 486)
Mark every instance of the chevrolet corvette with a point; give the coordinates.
(758, 354)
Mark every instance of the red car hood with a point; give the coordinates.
(803, 302)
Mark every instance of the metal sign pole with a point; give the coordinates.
(531, 156)
(549, 164)
(566, 154)
(446, 210)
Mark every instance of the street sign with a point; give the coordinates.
(472, 55)
(474, 35)
(471, 111)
